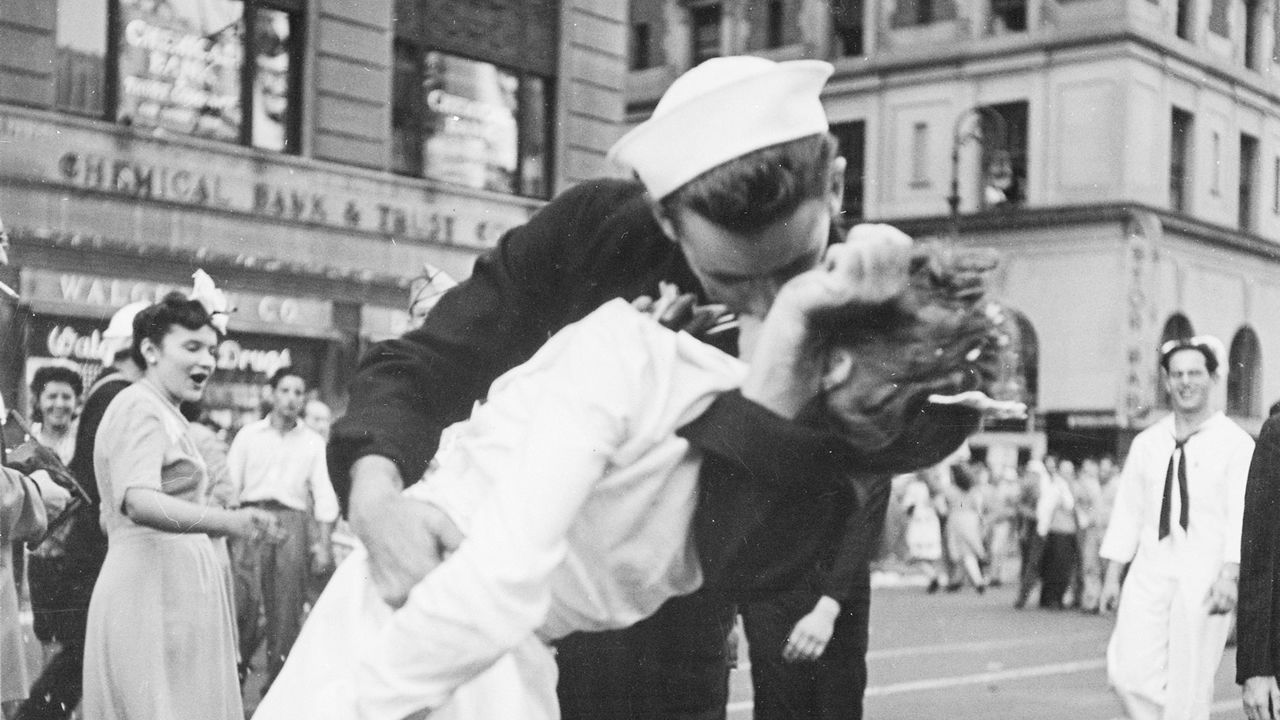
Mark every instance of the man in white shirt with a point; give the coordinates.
(1177, 520)
(278, 464)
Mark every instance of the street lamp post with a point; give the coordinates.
(968, 128)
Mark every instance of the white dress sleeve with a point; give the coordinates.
(574, 400)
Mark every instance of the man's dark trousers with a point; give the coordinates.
(829, 688)
(673, 664)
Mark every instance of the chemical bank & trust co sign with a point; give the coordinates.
(62, 151)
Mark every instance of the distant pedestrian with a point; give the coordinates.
(317, 416)
(1002, 523)
(1177, 522)
(1030, 542)
(278, 464)
(1087, 580)
(924, 532)
(56, 693)
(964, 527)
(1056, 523)
(55, 393)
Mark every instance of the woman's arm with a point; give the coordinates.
(154, 509)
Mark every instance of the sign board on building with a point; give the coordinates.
(79, 294)
(64, 153)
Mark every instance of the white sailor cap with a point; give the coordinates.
(720, 110)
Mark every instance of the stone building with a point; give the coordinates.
(312, 155)
(1122, 155)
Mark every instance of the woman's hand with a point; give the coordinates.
(255, 525)
(870, 267)
(787, 363)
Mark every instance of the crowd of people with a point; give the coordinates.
(668, 401)
(176, 492)
(1038, 526)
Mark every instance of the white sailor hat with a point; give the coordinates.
(720, 110)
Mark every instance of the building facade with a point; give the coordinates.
(314, 156)
(1123, 156)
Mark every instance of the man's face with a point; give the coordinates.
(1188, 381)
(744, 270)
(1106, 468)
(1067, 469)
(287, 397)
(318, 418)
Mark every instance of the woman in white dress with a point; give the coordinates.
(576, 498)
(159, 643)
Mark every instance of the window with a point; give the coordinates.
(921, 12)
(80, 59)
(777, 15)
(640, 58)
(470, 123)
(705, 20)
(846, 21)
(1008, 16)
(1219, 11)
(1252, 26)
(1185, 17)
(852, 139)
(1248, 180)
(1215, 171)
(920, 155)
(1275, 188)
(1183, 124)
(192, 68)
(1009, 179)
(1244, 374)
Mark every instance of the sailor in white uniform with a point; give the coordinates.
(1176, 521)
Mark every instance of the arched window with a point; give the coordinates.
(1175, 328)
(1244, 374)
(1020, 379)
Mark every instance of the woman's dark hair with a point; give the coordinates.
(761, 187)
(941, 336)
(962, 477)
(154, 323)
(53, 374)
(282, 373)
(56, 373)
(1210, 357)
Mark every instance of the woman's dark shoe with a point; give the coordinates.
(933, 586)
(954, 587)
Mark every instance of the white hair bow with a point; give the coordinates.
(215, 301)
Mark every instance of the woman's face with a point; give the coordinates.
(864, 399)
(183, 361)
(57, 403)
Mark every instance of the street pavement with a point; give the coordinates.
(965, 655)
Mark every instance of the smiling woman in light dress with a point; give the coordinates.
(159, 644)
